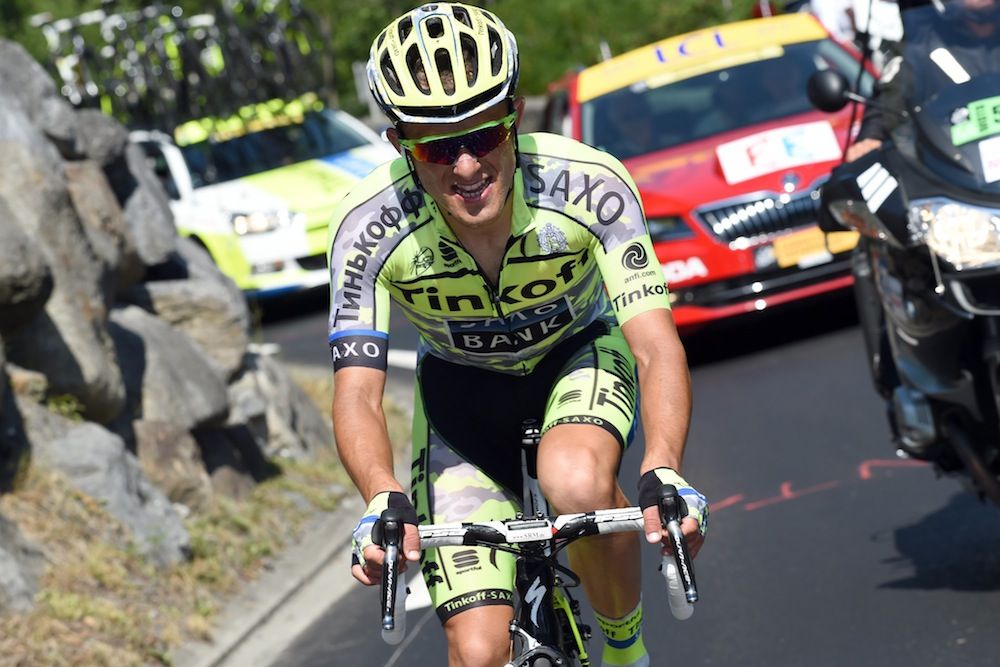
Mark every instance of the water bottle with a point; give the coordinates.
(679, 606)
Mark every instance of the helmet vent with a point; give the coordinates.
(435, 28)
(381, 38)
(405, 26)
(469, 55)
(462, 15)
(390, 76)
(445, 70)
(416, 65)
(496, 51)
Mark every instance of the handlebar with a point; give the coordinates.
(388, 533)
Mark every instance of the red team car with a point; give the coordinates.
(716, 129)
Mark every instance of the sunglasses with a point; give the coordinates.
(445, 148)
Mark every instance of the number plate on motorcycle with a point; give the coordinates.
(811, 247)
(979, 120)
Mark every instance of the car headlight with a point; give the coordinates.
(670, 228)
(965, 236)
(258, 222)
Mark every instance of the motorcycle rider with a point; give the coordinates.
(970, 40)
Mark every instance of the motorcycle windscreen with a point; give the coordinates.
(961, 123)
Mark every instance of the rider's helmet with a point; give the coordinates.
(983, 12)
(442, 62)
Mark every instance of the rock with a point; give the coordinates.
(104, 224)
(15, 451)
(206, 312)
(21, 565)
(234, 459)
(97, 463)
(167, 378)
(101, 137)
(27, 383)
(35, 93)
(294, 426)
(172, 461)
(25, 279)
(145, 205)
(68, 342)
(191, 260)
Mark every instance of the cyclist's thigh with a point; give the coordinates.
(598, 387)
(448, 488)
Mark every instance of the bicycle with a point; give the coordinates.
(546, 630)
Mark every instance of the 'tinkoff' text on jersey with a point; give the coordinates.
(578, 227)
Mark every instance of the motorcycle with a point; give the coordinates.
(926, 205)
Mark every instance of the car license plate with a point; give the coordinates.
(810, 247)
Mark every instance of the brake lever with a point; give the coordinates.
(388, 534)
(672, 510)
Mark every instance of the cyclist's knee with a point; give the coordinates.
(479, 637)
(579, 476)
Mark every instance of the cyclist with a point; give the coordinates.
(525, 264)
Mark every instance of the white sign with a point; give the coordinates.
(775, 150)
(989, 153)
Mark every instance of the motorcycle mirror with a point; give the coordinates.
(828, 90)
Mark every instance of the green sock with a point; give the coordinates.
(623, 645)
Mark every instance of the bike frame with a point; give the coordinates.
(535, 630)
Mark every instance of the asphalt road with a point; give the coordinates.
(824, 549)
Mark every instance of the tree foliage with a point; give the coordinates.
(553, 35)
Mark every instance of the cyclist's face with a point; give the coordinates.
(472, 191)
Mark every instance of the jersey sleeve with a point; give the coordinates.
(358, 327)
(364, 231)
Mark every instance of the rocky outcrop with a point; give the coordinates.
(124, 360)
(21, 564)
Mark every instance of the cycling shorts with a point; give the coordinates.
(466, 447)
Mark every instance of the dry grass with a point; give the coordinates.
(101, 603)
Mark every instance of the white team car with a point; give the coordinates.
(257, 189)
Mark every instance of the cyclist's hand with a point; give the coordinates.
(862, 147)
(367, 559)
(693, 525)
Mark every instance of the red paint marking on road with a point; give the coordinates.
(866, 468)
(787, 494)
(727, 502)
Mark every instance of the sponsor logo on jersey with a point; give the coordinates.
(423, 260)
(628, 298)
(437, 299)
(366, 244)
(607, 204)
(449, 256)
(551, 239)
(358, 349)
(635, 257)
(514, 332)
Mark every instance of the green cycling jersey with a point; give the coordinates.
(579, 251)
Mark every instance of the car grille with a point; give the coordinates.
(312, 263)
(756, 219)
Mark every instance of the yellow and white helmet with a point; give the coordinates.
(469, 46)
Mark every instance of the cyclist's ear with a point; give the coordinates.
(392, 136)
(519, 107)
(411, 542)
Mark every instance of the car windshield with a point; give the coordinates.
(319, 135)
(642, 119)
